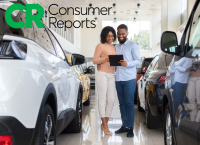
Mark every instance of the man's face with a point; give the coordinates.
(122, 35)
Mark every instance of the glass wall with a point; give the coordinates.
(139, 32)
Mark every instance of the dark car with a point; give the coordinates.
(182, 97)
(90, 72)
(143, 67)
(150, 90)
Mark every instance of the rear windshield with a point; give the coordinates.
(147, 62)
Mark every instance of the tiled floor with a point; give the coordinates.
(91, 133)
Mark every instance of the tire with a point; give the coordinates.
(140, 109)
(152, 122)
(76, 124)
(168, 136)
(87, 103)
(46, 121)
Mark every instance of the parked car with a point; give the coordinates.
(182, 117)
(90, 72)
(41, 94)
(85, 82)
(150, 90)
(144, 64)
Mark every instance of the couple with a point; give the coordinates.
(121, 78)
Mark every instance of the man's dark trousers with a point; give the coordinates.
(125, 93)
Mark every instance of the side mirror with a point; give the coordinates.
(77, 59)
(169, 43)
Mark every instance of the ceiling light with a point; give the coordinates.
(114, 7)
(134, 20)
(138, 9)
(96, 20)
(114, 13)
(115, 20)
(136, 14)
(90, 5)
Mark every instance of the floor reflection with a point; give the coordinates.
(92, 135)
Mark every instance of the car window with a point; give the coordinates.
(147, 62)
(57, 46)
(42, 38)
(153, 63)
(194, 38)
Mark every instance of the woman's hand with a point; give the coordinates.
(107, 59)
(188, 69)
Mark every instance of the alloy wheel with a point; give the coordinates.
(48, 139)
(168, 130)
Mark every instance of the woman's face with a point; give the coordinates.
(110, 37)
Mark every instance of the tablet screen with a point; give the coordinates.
(115, 59)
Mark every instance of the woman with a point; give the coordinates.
(105, 77)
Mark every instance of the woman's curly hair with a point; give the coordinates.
(105, 31)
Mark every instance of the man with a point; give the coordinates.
(126, 79)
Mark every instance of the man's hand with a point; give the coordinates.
(99, 66)
(123, 63)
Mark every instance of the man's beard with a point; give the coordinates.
(122, 41)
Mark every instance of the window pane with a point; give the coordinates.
(139, 32)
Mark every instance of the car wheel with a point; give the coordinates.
(140, 109)
(76, 124)
(46, 132)
(168, 137)
(87, 103)
(152, 122)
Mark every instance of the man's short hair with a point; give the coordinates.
(123, 26)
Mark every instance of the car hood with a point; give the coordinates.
(155, 74)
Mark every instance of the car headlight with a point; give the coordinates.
(13, 49)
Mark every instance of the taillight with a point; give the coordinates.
(162, 78)
(5, 140)
(13, 49)
(144, 69)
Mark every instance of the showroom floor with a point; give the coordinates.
(91, 132)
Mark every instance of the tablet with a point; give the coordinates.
(115, 59)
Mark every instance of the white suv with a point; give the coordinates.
(40, 93)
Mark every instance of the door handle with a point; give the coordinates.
(53, 65)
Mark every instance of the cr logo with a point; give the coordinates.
(29, 16)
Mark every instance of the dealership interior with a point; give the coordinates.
(77, 29)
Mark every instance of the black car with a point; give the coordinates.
(182, 117)
(150, 90)
(90, 72)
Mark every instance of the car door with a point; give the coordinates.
(186, 113)
(143, 81)
(68, 81)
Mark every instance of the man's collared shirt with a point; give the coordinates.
(131, 54)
